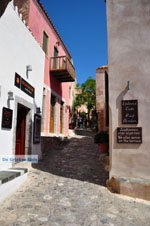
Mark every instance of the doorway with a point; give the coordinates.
(52, 113)
(21, 129)
(61, 117)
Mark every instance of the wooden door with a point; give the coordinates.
(52, 114)
(61, 116)
(20, 132)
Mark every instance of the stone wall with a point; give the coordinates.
(49, 143)
(101, 98)
(128, 25)
(23, 6)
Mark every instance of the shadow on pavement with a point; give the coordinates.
(77, 159)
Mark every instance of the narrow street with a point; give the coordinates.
(67, 188)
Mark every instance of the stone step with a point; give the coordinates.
(10, 180)
(10, 174)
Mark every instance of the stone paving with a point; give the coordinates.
(67, 188)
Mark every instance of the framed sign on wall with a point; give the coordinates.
(129, 112)
(129, 135)
(7, 118)
(37, 129)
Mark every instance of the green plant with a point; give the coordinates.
(101, 137)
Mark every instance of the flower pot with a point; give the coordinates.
(104, 147)
(71, 126)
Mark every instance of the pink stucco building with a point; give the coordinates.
(59, 71)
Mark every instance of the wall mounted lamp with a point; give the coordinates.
(28, 68)
(10, 96)
(44, 92)
(58, 43)
(38, 110)
(128, 85)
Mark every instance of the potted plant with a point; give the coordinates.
(71, 125)
(102, 138)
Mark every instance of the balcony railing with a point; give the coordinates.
(62, 69)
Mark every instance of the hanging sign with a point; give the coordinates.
(24, 85)
(129, 112)
(27, 88)
(17, 80)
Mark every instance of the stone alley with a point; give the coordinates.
(68, 188)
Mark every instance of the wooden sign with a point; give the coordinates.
(17, 80)
(37, 129)
(27, 88)
(130, 135)
(7, 118)
(129, 112)
(24, 85)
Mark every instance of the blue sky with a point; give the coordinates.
(82, 26)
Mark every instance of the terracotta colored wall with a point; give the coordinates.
(37, 24)
(23, 6)
(101, 99)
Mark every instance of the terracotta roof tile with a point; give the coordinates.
(105, 67)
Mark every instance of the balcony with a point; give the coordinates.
(62, 69)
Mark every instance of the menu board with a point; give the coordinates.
(132, 135)
(129, 112)
(37, 129)
(7, 118)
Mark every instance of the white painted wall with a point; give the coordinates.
(18, 48)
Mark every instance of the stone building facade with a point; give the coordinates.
(102, 101)
(128, 25)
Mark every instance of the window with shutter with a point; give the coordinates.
(45, 43)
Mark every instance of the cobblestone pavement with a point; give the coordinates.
(67, 188)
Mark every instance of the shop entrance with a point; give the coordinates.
(21, 129)
(52, 114)
(61, 117)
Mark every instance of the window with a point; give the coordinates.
(45, 43)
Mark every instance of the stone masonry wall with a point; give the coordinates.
(23, 6)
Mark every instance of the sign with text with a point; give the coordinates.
(129, 112)
(130, 135)
(37, 129)
(7, 118)
(27, 88)
(24, 85)
(17, 80)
